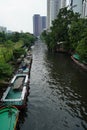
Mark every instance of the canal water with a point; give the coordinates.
(58, 93)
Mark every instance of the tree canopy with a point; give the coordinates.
(69, 29)
(12, 47)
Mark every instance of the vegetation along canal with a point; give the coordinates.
(58, 93)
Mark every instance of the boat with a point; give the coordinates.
(25, 70)
(78, 61)
(17, 91)
(25, 66)
(9, 118)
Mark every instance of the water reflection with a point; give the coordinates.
(69, 85)
(58, 94)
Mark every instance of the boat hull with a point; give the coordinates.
(16, 95)
(79, 63)
(8, 118)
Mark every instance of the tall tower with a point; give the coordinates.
(43, 23)
(52, 11)
(84, 8)
(53, 7)
(39, 24)
(48, 14)
(36, 25)
(57, 6)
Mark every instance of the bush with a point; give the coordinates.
(18, 52)
(5, 70)
(82, 49)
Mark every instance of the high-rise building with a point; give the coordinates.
(43, 23)
(48, 14)
(39, 24)
(53, 7)
(57, 6)
(52, 11)
(63, 3)
(36, 25)
(84, 8)
(3, 29)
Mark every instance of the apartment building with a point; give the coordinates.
(53, 7)
(39, 24)
(84, 8)
(3, 29)
(63, 3)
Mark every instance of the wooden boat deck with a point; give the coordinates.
(18, 83)
(15, 91)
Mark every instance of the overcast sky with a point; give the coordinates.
(17, 15)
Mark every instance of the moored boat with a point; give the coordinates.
(8, 118)
(17, 91)
(78, 61)
(25, 66)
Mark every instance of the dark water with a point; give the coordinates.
(58, 93)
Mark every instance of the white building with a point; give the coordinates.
(48, 14)
(3, 29)
(63, 3)
(57, 6)
(53, 7)
(52, 11)
(84, 8)
(10, 32)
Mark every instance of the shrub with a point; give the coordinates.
(5, 70)
(18, 52)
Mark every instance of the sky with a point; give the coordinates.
(17, 15)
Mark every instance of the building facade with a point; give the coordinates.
(36, 25)
(39, 24)
(84, 8)
(48, 14)
(53, 7)
(77, 6)
(43, 23)
(3, 29)
(63, 3)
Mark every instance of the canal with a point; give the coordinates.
(58, 93)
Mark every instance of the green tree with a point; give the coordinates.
(2, 37)
(27, 38)
(77, 32)
(15, 36)
(18, 52)
(59, 30)
(5, 70)
(82, 49)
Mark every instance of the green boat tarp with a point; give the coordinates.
(77, 57)
(8, 118)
